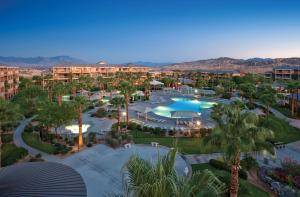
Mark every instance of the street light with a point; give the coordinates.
(124, 115)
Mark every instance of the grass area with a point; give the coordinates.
(252, 190)
(185, 145)
(11, 154)
(283, 132)
(34, 141)
(284, 110)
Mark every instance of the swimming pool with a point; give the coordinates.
(182, 104)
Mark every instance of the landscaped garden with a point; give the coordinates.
(246, 189)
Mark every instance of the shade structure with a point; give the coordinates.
(140, 93)
(184, 114)
(41, 179)
(156, 83)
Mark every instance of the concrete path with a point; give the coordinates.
(100, 166)
(18, 140)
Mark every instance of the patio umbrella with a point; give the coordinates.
(156, 83)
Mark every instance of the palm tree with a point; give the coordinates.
(101, 82)
(79, 104)
(118, 102)
(293, 88)
(147, 87)
(267, 99)
(238, 131)
(59, 90)
(248, 91)
(143, 179)
(85, 83)
(127, 89)
(72, 87)
(9, 113)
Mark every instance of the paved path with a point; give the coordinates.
(100, 166)
(18, 140)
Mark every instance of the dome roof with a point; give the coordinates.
(41, 179)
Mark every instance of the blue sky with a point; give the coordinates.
(150, 30)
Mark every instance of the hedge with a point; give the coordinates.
(11, 154)
(223, 166)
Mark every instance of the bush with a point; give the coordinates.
(100, 113)
(28, 128)
(11, 154)
(223, 166)
(7, 138)
(89, 145)
(249, 162)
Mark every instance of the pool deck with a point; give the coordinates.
(158, 99)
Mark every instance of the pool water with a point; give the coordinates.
(182, 104)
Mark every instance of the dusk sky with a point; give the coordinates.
(150, 30)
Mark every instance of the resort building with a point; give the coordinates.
(284, 72)
(68, 73)
(9, 81)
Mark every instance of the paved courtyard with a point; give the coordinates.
(101, 166)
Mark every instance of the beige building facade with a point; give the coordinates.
(9, 82)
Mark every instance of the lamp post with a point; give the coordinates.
(198, 123)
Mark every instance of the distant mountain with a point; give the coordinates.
(258, 65)
(40, 61)
(150, 64)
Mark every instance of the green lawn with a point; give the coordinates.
(252, 189)
(184, 144)
(284, 110)
(283, 132)
(11, 154)
(34, 141)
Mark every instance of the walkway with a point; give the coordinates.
(18, 140)
(100, 166)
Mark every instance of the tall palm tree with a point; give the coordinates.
(59, 90)
(248, 91)
(9, 113)
(293, 88)
(118, 102)
(79, 104)
(143, 179)
(238, 131)
(127, 89)
(147, 88)
(72, 87)
(85, 83)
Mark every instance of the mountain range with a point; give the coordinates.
(257, 65)
(40, 61)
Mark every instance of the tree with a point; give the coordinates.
(237, 131)
(30, 99)
(293, 88)
(55, 115)
(9, 113)
(127, 89)
(72, 86)
(118, 102)
(59, 90)
(79, 105)
(147, 88)
(248, 91)
(85, 83)
(267, 99)
(144, 179)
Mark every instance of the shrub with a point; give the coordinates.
(89, 145)
(296, 181)
(249, 162)
(7, 138)
(11, 154)
(100, 113)
(280, 175)
(223, 166)
(28, 128)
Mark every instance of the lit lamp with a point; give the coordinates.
(124, 115)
